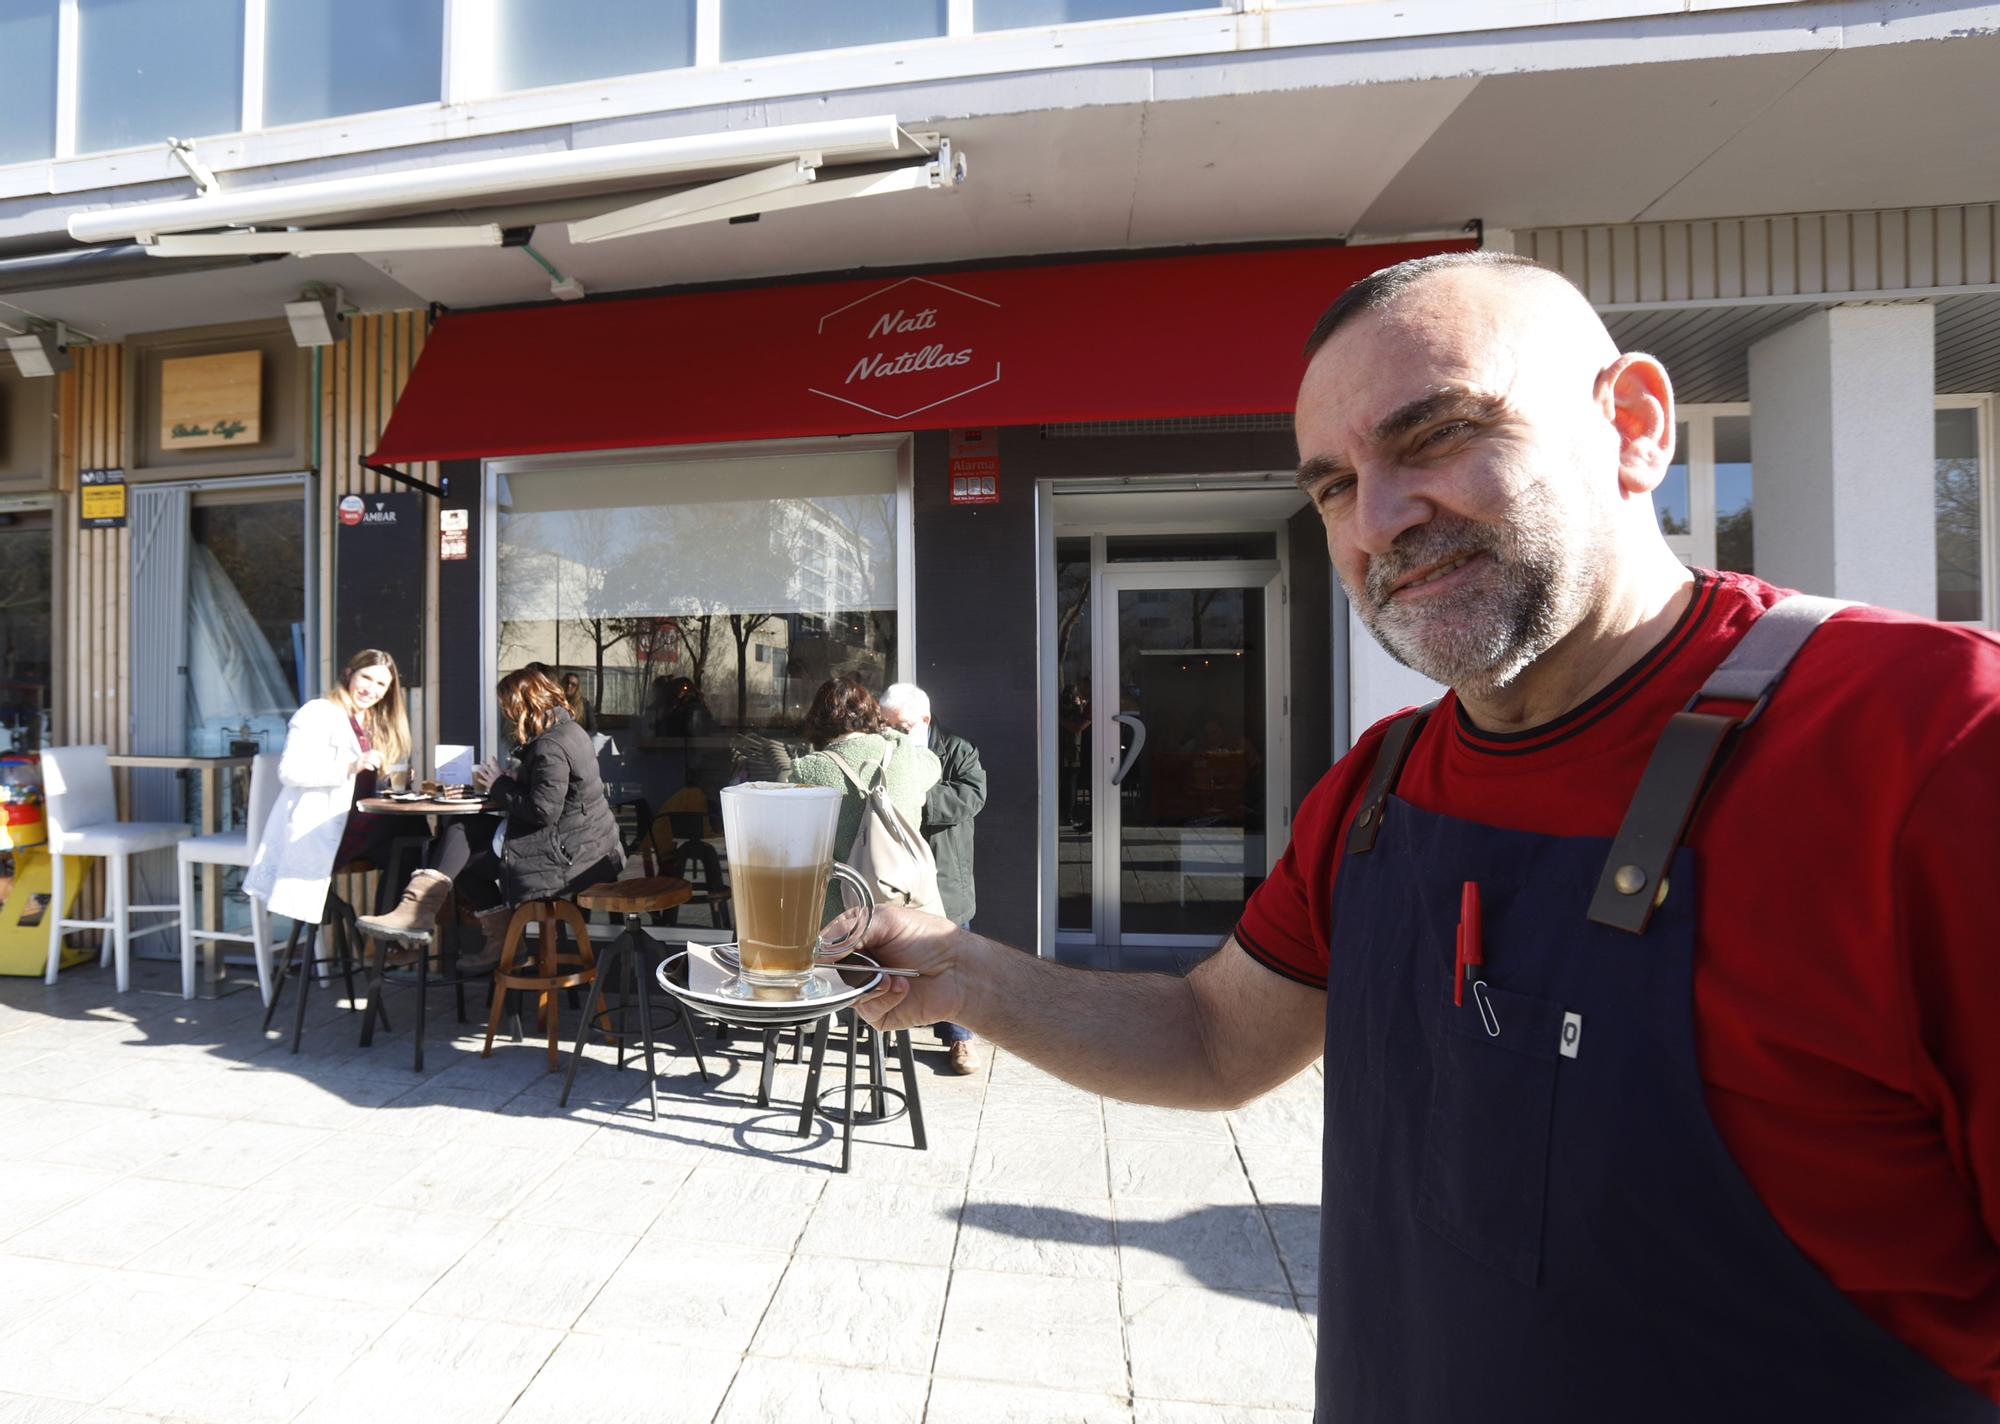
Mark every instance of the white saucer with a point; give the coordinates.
(708, 979)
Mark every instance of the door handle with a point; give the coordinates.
(1132, 752)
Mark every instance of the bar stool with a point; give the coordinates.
(553, 970)
(230, 848)
(82, 807)
(342, 936)
(634, 951)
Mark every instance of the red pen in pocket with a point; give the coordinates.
(1470, 956)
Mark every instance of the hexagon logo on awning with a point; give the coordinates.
(907, 348)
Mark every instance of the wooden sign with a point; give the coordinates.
(100, 500)
(211, 400)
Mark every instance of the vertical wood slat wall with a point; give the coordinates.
(96, 633)
(361, 378)
(95, 569)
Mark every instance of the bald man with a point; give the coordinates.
(1653, 967)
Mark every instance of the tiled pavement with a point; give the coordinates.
(197, 1225)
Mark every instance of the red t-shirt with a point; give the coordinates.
(1847, 984)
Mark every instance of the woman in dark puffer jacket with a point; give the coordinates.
(554, 836)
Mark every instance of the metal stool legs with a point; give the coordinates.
(909, 1096)
(632, 948)
(337, 920)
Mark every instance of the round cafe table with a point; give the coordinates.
(429, 809)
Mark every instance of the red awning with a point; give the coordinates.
(1115, 339)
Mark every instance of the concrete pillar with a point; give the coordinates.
(1841, 436)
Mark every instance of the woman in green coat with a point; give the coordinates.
(846, 723)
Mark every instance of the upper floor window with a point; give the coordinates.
(1020, 14)
(28, 97)
(550, 42)
(147, 69)
(752, 28)
(324, 58)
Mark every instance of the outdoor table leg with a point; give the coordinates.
(906, 1056)
(765, 1071)
(424, 952)
(375, 992)
(811, 1099)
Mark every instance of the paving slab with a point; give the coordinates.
(196, 1224)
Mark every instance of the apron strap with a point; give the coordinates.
(1389, 759)
(1633, 882)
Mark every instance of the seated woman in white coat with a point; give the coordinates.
(334, 748)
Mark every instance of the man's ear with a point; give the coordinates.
(1640, 401)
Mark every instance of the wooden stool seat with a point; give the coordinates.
(638, 896)
(551, 969)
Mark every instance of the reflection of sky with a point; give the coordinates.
(1670, 500)
(1732, 488)
(822, 554)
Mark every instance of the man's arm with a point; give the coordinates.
(961, 794)
(1228, 1032)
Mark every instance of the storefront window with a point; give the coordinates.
(28, 98)
(546, 42)
(752, 28)
(246, 624)
(1960, 553)
(1015, 14)
(324, 58)
(26, 629)
(701, 603)
(150, 69)
(1734, 542)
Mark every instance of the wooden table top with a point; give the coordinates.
(464, 806)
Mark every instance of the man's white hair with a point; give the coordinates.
(907, 697)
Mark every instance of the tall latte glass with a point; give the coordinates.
(780, 843)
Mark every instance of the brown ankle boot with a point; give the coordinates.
(493, 924)
(415, 913)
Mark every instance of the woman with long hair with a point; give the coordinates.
(554, 834)
(334, 749)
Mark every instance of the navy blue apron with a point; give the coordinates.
(1528, 1214)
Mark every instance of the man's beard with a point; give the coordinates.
(1480, 637)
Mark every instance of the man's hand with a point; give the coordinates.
(911, 939)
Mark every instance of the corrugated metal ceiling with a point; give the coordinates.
(1707, 349)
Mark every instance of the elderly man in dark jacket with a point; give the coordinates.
(948, 813)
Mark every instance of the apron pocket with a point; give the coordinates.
(1486, 1147)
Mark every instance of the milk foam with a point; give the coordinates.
(776, 823)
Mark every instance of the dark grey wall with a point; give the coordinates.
(975, 587)
(461, 694)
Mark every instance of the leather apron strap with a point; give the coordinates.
(1684, 761)
(1389, 759)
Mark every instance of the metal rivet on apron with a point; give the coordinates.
(1661, 898)
(1629, 880)
(1367, 815)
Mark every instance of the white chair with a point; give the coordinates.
(83, 820)
(230, 848)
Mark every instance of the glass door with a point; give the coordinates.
(1182, 745)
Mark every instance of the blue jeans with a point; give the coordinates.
(951, 1032)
